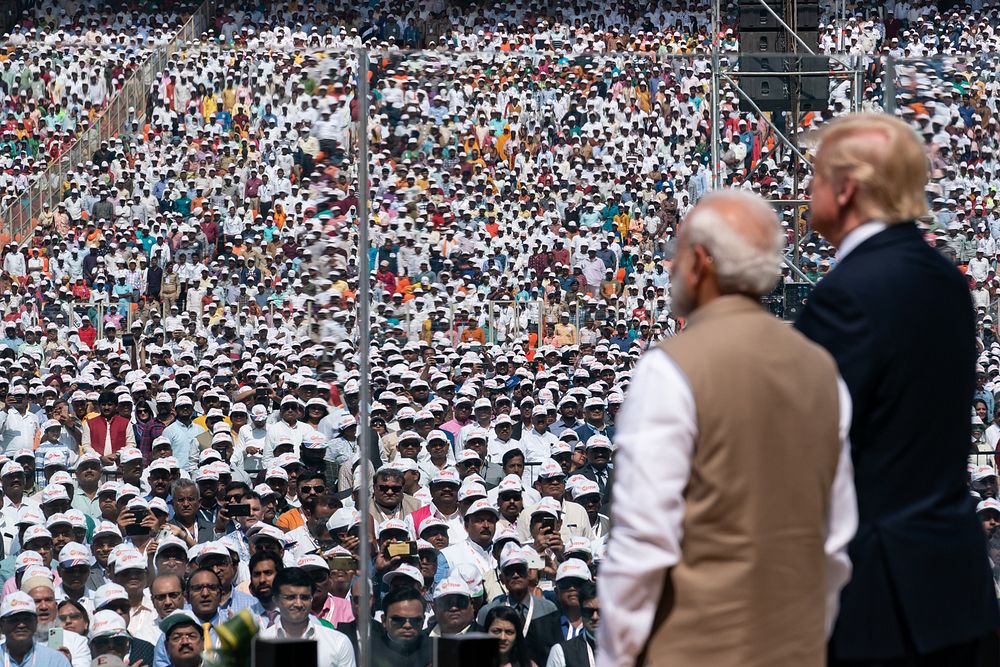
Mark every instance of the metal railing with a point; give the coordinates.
(18, 220)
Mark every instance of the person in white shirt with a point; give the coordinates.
(537, 442)
(287, 428)
(18, 425)
(672, 440)
(294, 590)
(480, 525)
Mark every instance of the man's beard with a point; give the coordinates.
(42, 631)
(681, 303)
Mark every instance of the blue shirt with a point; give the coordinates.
(37, 656)
(238, 601)
(182, 439)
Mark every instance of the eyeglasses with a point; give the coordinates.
(292, 597)
(400, 622)
(590, 612)
(198, 588)
(72, 616)
(313, 489)
(169, 595)
(386, 488)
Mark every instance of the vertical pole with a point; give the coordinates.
(492, 339)
(714, 115)
(364, 325)
(796, 90)
(859, 81)
(889, 86)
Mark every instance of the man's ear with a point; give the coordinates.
(846, 192)
(701, 261)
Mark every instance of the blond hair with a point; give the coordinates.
(886, 159)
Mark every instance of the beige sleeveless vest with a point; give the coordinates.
(750, 586)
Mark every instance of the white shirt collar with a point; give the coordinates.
(859, 235)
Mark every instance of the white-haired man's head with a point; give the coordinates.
(730, 243)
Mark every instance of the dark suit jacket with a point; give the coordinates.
(206, 529)
(899, 321)
(141, 650)
(590, 473)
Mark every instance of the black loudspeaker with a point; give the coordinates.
(474, 648)
(796, 295)
(774, 302)
(760, 32)
(753, 16)
(297, 652)
(808, 16)
(814, 95)
(769, 93)
(763, 42)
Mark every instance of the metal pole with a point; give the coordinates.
(493, 338)
(833, 74)
(792, 29)
(364, 325)
(858, 82)
(796, 90)
(796, 270)
(786, 140)
(889, 86)
(714, 116)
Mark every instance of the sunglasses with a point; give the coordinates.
(519, 570)
(455, 602)
(313, 489)
(400, 622)
(386, 488)
(169, 595)
(235, 499)
(569, 585)
(590, 612)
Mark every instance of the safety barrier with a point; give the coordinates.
(18, 220)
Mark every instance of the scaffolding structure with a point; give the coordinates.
(841, 67)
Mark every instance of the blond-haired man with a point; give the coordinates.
(899, 321)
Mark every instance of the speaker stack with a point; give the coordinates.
(761, 33)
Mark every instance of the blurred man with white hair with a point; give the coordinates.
(734, 438)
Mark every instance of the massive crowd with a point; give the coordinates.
(179, 354)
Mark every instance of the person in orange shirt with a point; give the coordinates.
(474, 333)
(311, 485)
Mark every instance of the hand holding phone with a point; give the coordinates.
(402, 549)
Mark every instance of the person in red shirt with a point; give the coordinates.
(87, 332)
(108, 432)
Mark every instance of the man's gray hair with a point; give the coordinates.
(747, 260)
(182, 484)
